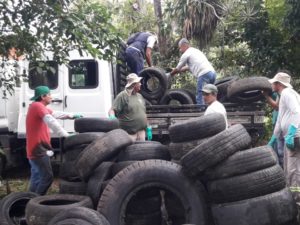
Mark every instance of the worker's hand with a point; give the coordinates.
(112, 117)
(149, 133)
(266, 93)
(272, 141)
(49, 153)
(76, 116)
(289, 138)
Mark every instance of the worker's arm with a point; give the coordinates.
(273, 103)
(148, 56)
(55, 126)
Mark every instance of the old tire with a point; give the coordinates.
(101, 150)
(76, 187)
(222, 85)
(89, 215)
(197, 128)
(180, 96)
(158, 76)
(243, 162)
(144, 151)
(72, 154)
(40, 210)
(277, 208)
(12, 207)
(215, 149)
(86, 124)
(152, 173)
(118, 166)
(248, 89)
(68, 171)
(81, 138)
(246, 186)
(99, 175)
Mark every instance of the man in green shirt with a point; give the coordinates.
(129, 108)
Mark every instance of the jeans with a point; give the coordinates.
(208, 78)
(41, 175)
(134, 60)
(279, 148)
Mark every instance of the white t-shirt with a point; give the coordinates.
(151, 41)
(288, 112)
(196, 61)
(217, 107)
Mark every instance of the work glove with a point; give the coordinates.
(289, 138)
(112, 117)
(49, 153)
(149, 133)
(272, 141)
(76, 116)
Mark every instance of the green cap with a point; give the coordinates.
(39, 91)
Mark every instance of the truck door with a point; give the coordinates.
(87, 89)
(45, 73)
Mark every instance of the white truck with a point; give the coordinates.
(88, 86)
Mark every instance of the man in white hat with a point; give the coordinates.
(129, 108)
(288, 125)
(210, 92)
(195, 61)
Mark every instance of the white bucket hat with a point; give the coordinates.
(282, 78)
(131, 79)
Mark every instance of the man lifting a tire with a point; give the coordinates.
(129, 108)
(195, 61)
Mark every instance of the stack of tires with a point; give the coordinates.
(245, 186)
(247, 90)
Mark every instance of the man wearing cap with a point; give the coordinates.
(210, 92)
(288, 125)
(140, 47)
(38, 141)
(195, 61)
(129, 108)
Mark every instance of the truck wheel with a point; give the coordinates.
(154, 83)
(101, 150)
(79, 139)
(248, 89)
(197, 128)
(179, 96)
(153, 174)
(90, 216)
(83, 125)
(75, 187)
(40, 210)
(246, 186)
(12, 207)
(243, 162)
(277, 208)
(215, 149)
(222, 85)
(141, 151)
(94, 186)
(177, 150)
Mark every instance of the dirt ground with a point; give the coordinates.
(17, 180)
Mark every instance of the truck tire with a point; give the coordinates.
(118, 166)
(142, 206)
(79, 139)
(101, 150)
(180, 96)
(277, 208)
(215, 150)
(246, 186)
(248, 89)
(145, 219)
(76, 187)
(13, 206)
(88, 215)
(155, 174)
(156, 75)
(68, 171)
(177, 150)
(141, 151)
(94, 186)
(73, 222)
(40, 210)
(197, 128)
(72, 154)
(222, 85)
(243, 162)
(86, 124)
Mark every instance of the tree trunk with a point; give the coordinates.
(162, 39)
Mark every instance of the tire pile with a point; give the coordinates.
(215, 179)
